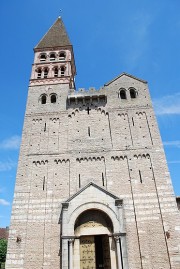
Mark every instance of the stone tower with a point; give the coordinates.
(93, 189)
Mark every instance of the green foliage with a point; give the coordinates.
(3, 250)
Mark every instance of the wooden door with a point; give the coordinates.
(87, 252)
(106, 252)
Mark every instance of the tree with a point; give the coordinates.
(3, 250)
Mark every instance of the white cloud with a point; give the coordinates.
(11, 143)
(7, 166)
(175, 143)
(4, 202)
(167, 105)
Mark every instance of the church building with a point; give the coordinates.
(93, 190)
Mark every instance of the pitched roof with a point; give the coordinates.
(95, 186)
(55, 37)
(127, 75)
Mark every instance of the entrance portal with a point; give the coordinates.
(95, 252)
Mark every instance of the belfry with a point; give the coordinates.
(93, 189)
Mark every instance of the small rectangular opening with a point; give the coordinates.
(43, 183)
(140, 176)
(79, 181)
(133, 121)
(102, 179)
(89, 132)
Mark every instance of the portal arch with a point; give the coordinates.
(94, 206)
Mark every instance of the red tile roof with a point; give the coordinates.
(4, 233)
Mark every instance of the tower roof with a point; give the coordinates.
(55, 37)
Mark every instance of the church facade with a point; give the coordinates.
(93, 189)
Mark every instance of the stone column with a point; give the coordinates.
(118, 250)
(71, 253)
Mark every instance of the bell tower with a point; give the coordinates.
(54, 58)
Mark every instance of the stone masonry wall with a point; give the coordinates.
(81, 138)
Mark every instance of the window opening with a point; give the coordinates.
(140, 176)
(45, 73)
(52, 57)
(39, 73)
(43, 57)
(79, 181)
(43, 99)
(45, 127)
(132, 121)
(132, 93)
(62, 56)
(43, 183)
(89, 133)
(53, 98)
(102, 179)
(122, 94)
(55, 72)
(62, 71)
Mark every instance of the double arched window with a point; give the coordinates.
(44, 98)
(122, 93)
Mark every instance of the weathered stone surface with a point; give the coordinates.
(91, 136)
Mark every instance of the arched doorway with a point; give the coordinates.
(96, 247)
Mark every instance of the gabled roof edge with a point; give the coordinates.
(88, 185)
(126, 74)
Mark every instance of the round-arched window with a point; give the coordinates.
(62, 56)
(62, 69)
(39, 73)
(56, 72)
(43, 99)
(53, 98)
(122, 94)
(43, 57)
(46, 72)
(132, 93)
(52, 56)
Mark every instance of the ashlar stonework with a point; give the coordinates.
(93, 189)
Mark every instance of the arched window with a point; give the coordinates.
(43, 99)
(122, 94)
(55, 72)
(53, 98)
(62, 71)
(43, 57)
(52, 56)
(39, 73)
(132, 93)
(62, 56)
(46, 72)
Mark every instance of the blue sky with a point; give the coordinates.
(140, 37)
